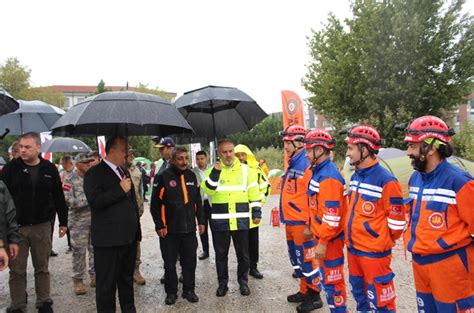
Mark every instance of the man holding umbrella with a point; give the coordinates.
(115, 227)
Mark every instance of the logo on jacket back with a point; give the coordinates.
(172, 183)
(436, 220)
(368, 207)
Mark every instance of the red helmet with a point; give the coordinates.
(364, 134)
(319, 137)
(428, 126)
(294, 133)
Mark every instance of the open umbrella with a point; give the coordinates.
(215, 112)
(124, 113)
(62, 144)
(33, 115)
(8, 104)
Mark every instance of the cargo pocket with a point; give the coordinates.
(333, 271)
(384, 289)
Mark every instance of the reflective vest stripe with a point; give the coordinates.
(224, 216)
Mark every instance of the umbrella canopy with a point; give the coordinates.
(8, 104)
(33, 115)
(62, 144)
(123, 113)
(215, 112)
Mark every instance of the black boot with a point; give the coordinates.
(312, 301)
(255, 273)
(296, 298)
(46, 308)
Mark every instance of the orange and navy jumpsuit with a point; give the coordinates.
(374, 220)
(328, 204)
(294, 212)
(439, 235)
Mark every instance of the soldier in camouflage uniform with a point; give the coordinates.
(136, 176)
(79, 221)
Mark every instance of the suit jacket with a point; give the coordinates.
(114, 213)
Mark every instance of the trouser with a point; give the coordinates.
(80, 228)
(205, 235)
(302, 258)
(37, 239)
(253, 247)
(185, 246)
(53, 221)
(332, 275)
(114, 269)
(371, 280)
(445, 283)
(138, 259)
(221, 241)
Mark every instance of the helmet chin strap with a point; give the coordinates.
(316, 158)
(296, 149)
(362, 157)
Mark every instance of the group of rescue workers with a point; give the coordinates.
(321, 216)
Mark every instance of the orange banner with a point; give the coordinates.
(292, 112)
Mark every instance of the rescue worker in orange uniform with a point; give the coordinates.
(441, 226)
(374, 221)
(295, 213)
(327, 204)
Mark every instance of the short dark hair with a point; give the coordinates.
(66, 158)
(177, 150)
(201, 153)
(33, 135)
(225, 140)
(112, 142)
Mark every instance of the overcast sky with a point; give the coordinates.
(257, 46)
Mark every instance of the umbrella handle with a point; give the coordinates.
(7, 130)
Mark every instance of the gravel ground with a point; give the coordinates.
(268, 295)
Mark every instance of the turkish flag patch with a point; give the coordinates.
(67, 187)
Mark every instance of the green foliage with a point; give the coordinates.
(101, 88)
(264, 134)
(145, 89)
(394, 60)
(464, 142)
(274, 157)
(45, 94)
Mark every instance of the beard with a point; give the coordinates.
(417, 163)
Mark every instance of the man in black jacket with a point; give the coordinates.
(175, 206)
(36, 189)
(115, 227)
(9, 237)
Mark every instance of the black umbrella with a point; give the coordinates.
(62, 144)
(33, 115)
(125, 113)
(8, 104)
(215, 112)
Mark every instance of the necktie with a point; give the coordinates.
(122, 174)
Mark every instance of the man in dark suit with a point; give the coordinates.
(115, 227)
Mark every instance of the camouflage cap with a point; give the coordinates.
(82, 158)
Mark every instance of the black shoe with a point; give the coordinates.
(244, 290)
(46, 308)
(54, 253)
(312, 301)
(296, 298)
(255, 273)
(171, 299)
(162, 279)
(294, 275)
(180, 279)
(10, 310)
(222, 291)
(203, 256)
(190, 296)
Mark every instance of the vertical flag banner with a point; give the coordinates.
(101, 146)
(45, 137)
(292, 112)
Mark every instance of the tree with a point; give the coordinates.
(101, 88)
(15, 78)
(464, 142)
(263, 135)
(145, 89)
(394, 60)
